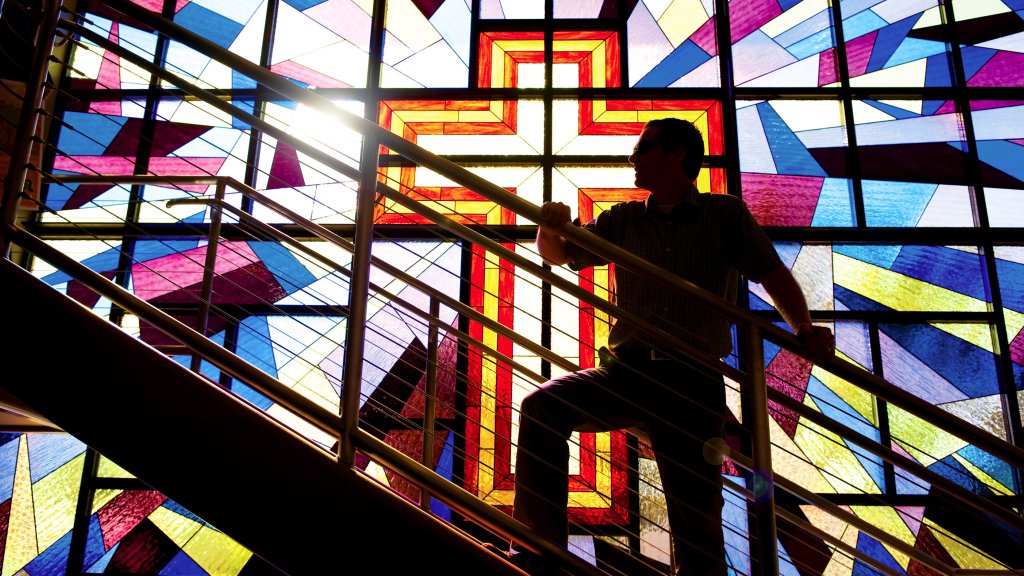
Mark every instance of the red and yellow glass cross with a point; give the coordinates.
(596, 53)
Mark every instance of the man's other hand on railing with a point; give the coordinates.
(816, 342)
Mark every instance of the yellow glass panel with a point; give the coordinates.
(887, 519)
(681, 19)
(978, 334)
(56, 497)
(107, 468)
(86, 60)
(897, 291)
(21, 545)
(923, 441)
(576, 45)
(178, 528)
(520, 45)
(216, 553)
(787, 463)
(429, 115)
(857, 398)
(963, 554)
(478, 116)
(101, 497)
(837, 462)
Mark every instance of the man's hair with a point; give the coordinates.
(674, 133)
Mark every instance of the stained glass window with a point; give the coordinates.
(877, 141)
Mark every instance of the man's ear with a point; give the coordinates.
(678, 154)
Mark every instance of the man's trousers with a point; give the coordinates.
(681, 409)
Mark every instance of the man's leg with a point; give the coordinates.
(548, 417)
(690, 472)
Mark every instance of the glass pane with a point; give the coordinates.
(990, 41)
(781, 43)
(919, 278)
(913, 159)
(895, 44)
(999, 135)
(510, 9)
(673, 44)
(793, 163)
(426, 44)
(1010, 268)
(322, 44)
(94, 67)
(234, 26)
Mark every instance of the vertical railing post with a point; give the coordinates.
(766, 561)
(27, 121)
(430, 399)
(358, 294)
(206, 292)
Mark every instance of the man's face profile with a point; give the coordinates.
(653, 167)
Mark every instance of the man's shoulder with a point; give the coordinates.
(628, 208)
(719, 199)
(726, 203)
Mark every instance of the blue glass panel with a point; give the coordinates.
(208, 24)
(953, 269)
(683, 60)
(47, 452)
(287, 270)
(872, 548)
(969, 368)
(53, 561)
(791, 156)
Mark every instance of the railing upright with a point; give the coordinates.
(206, 292)
(359, 296)
(762, 479)
(430, 398)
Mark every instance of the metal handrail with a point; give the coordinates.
(847, 370)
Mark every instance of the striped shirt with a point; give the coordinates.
(707, 239)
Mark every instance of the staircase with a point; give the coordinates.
(274, 491)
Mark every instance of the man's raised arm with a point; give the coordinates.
(550, 242)
(788, 297)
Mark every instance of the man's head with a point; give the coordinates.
(674, 134)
